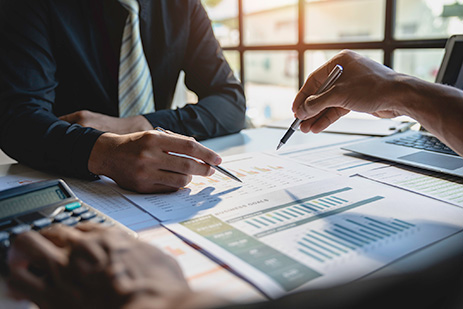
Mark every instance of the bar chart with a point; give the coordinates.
(261, 174)
(289, 215)
(322, 233)
(323, 245)
(240, 173)
(439, 186)
(296, 211)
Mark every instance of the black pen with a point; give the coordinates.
(216, 167)
(330, 80)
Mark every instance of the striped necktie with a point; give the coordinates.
(135, 87)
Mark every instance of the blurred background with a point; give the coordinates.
(273, 45)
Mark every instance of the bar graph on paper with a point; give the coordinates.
(321, 233)
(436, 185)
(299, 212)
(350, 235)
(261, 173)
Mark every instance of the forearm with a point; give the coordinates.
(438, 108)
(212, 116)
(37, 138)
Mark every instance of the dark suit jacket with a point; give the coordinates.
(61, 56)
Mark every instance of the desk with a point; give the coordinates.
(266, 139)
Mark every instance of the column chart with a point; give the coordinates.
(328, 232)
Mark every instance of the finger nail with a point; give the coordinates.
(217, 160)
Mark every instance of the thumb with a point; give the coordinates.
(316, 104)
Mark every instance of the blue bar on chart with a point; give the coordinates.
(296, 210)
(348, 235)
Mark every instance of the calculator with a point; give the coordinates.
(38, 205)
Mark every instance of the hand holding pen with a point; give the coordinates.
(216, 167)
(328, 83)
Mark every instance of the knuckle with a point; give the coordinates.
(346, 54)
(191, 145)
(148, 138)
(187, 166)
(181, 181)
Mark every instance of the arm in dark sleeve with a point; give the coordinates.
(221, 107)
(29, 131)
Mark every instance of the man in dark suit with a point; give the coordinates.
(60, 84)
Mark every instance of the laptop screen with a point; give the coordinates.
(453, 75)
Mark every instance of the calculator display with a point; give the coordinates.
(31, 200)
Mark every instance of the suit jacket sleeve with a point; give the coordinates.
(29, 131)
(221, 107)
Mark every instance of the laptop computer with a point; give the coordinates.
(420, 148)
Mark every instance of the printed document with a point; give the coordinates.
(332, 158)
(261, 173)
(319, 233)
(435, 185)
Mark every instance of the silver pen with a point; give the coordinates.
(216, 167)
(330, 80)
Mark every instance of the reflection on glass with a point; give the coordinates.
(224, 17)
(270, 22)
(428, 18)
(271, 85)
(422, 63)
(344, 21)
(315, 58)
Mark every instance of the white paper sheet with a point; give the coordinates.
(202, 273)
(261, 173)
(332, 158)
(436, 185)
(319, 234)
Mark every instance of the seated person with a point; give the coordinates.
(83, 84)
(93, 267)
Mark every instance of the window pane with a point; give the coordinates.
(233, 59)
(315, 58)
(422, 63)
(271, 85)
(428, 18)
(344, 21)
(270, 22)
(224, 17)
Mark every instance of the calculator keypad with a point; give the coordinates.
(73, 213)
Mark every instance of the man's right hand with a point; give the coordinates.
(141, 161)
(365, 86)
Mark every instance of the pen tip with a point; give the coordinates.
(279, 145)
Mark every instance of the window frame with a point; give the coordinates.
(388, 45)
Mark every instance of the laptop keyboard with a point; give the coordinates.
(420, 141)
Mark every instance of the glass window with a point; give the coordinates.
(233, 59)
(224, 17)
(315, 58)
(422, 63)
(417, 19)
(344, 21)
(271, 84)
(270, 22)
(183, 95)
